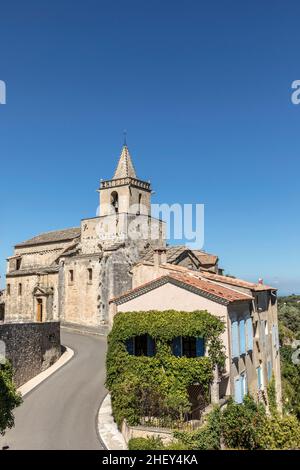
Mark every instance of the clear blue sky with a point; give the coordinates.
(203, 88)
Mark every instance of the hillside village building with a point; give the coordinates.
(248, 310)
(119, 262)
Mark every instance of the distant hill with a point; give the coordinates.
(289, 313)
(289, 329)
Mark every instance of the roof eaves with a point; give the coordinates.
(149, 286)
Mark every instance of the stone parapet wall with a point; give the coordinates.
(30, 347)
(130, 432)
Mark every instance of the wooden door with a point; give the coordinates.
(39, 315)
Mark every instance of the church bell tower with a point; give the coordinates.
(125, 193)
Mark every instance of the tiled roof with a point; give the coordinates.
(236, 282)
(50, 237)
(205, 258)
(201, 287)
(173, 252)
(125, 166)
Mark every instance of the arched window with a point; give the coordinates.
(114, 200)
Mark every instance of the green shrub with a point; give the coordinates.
(271, 390)
(207, 437)
(176, 445)
(244, 426)
(9, 398)
(290, 382)
(142, 443)
(241, 423)
(280, 433)
(289, 330)
(239, 426)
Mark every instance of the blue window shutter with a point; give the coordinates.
(235, 339)
(259, 382)
(199, 347)
(242, 337)
(150, 346)
(269, 366)
(237, 390)
(130, 346)
(177, 347)
(249, 334)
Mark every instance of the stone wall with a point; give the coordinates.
(2, 305)
(2, 308)
(131, 432)
(31, 347)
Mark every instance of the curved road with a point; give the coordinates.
(61, 412)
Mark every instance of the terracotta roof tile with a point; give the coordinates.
(205, 258)
(236, 282)
(224, 294)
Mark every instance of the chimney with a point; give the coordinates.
(160, 256)
(260, 281)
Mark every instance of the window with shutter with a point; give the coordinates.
(242, 337)
(234, 339)
(249, 334)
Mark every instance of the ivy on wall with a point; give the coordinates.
(158, 385)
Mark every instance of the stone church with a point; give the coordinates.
(70, 275)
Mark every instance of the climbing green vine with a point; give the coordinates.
(159, 383)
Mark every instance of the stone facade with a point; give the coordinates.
(2, 305)
(71, 274)
(31, 347)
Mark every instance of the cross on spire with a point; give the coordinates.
(125, 138)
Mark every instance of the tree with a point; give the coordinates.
(9, 397)
(289, 329)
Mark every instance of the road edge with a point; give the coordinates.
(110, 436)
(38, 379)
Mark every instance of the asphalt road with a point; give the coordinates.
(61, 412)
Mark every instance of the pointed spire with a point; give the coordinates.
(125, 166)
